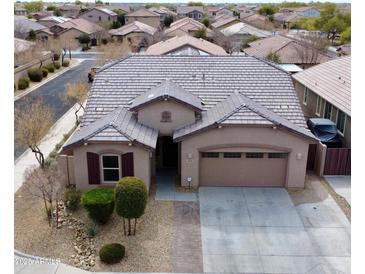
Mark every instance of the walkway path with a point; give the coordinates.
(341, 185)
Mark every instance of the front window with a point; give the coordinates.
(305, 97)
(341, 121)
(318, 106)
(99, 18)
(110, 168)
(327, 111)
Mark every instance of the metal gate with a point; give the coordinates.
(338, 161)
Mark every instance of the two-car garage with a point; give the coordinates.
(243, 169)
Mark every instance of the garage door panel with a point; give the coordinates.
(243, 171)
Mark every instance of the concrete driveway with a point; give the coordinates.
(259, 230)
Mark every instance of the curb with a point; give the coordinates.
(21, 95)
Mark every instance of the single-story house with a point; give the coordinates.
(185, 45)
(194, 12)
(122, 7)
(40, 14)
(70, 10)
(50, 21)
(324, 91)
(222, 21)
(99, 15)
(163, 12)
(214, 11)
(289, 51)
(186, 26)
(22, 27)
(257, 20)
(145, 16)
(286, 16)
(215, 120)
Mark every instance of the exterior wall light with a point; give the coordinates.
(130, 144)
(299, 156)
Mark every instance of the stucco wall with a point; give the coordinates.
(246, 138)
(93, 16)
(180, 116)
(148, 20)
(142, 161)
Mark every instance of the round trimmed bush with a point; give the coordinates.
(130, 197)
(65, 63)
(50, 67)
(72, 198)
(57, 65)
(99, 204)
(35, 74)
(56, 56)
(44, 72)
(112, 253)
(23, 83)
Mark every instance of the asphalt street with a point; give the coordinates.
(53, 91)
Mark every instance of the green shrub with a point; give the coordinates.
(35, 74)
(65, 63)
(112, 253)
(44, 72)
(72, 198)
(58, 146)
(50, 67)
(99, 203)
(23, 83)
(104, 41)
(92, 229)
(56, 56)
(57, 65)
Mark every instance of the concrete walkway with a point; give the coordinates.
(54, 136)
(341, 185)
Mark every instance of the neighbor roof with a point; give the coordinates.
(57, 19)
(104, 10)
(167, 89)
(165, 47)
(82, 25)
(21, 45)
(118, 125)
(187, 25)
(143, 12)
(187, 9)
(286, 48)
(212, 79)
(243, 28)
(134, 27)
(331, 81)
(26, 25)
(224, 21)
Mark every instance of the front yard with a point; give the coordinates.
(148, 251)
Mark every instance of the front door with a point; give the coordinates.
(166, 152)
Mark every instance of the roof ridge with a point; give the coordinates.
(114, 62)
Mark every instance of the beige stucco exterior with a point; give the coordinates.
(246, 139)
(141, 155)
(153, 21)
(181, 115)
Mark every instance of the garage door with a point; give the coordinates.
(243, 169)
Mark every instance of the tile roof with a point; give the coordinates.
(101, 9)
(57, 19)
(167, 89)
(82, 25)
(287, 48)
(237, 110)
(330, 80)
(118, 125)
(26, 25)
(134, 27)
(187, 9)
(224, 21)
(143, 12)
(186, 26)
(243, 28)
(210, 78)
(177, 42)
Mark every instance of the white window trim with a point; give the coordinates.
(305, 96)
(331, 112)
(102, 168)
(344, 124)
(319, 100)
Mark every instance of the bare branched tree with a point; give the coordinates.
(225, 42)
(110, 52)
(33, 120)
(46, 184)
(310, 48)
(77, 92)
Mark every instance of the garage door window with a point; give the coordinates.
(210, 154)
(254, 155)
(278, 155)
(232, 155)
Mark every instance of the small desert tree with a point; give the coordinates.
(33, 120)
(48, 185)
(130, 201)
(168, 21)
(201, 33)
(206, 22)
(273, 57)
(309, 48)
(84, 39)
(111, 51)
(76, 92)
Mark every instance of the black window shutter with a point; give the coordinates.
(93, 168)
(127, 164)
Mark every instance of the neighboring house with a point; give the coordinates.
(246, 13)
(22, 27)
(69, 10)
(185, 45)
(125, 8)
(72, 29)
(223, 21)
(40, 14)
(138, 35)
(344, 50)
(214, 11)
(215, 120)
(324, 91)
(50, 21)
(257, 20)
(186, 26)
(20, 11)
(288, 50)
(102, 16)
(22, 50)
(240, 32)
(286, 16)
(145, 16)
(194, 12)
(163, 12)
